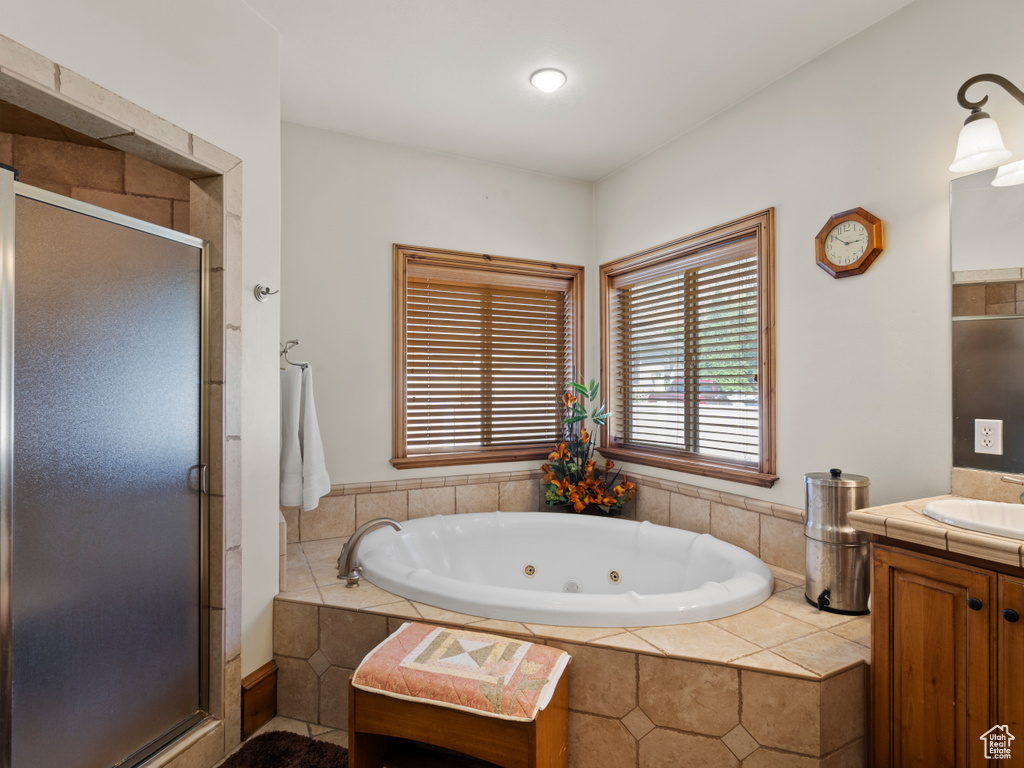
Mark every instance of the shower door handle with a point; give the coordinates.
(199, 482)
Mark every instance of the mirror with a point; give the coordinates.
(987, 248)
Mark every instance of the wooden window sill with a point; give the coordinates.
(496, 456)
(691, 465)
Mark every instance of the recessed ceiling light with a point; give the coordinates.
(548, 80)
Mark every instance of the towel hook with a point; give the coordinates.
(287, 347)
(261, 292)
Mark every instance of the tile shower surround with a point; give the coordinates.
(144, 172)
(779, 685)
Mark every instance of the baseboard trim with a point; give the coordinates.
(259, 698)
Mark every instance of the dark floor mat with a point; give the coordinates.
(280, 749)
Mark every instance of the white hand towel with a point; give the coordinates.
(304, 477)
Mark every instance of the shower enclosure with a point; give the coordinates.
(103, 510)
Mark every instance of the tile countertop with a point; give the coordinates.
(783, 636)
(906, 522)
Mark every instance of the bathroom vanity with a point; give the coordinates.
(947, 639)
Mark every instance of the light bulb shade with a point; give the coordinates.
(980, 147)
(1009, 175)
(548, 80)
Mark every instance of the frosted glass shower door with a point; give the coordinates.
(106, 515)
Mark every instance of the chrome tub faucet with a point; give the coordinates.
(347, 568)
(1014, 479)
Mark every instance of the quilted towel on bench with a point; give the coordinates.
(462, 669)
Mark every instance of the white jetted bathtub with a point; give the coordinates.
(564, 569)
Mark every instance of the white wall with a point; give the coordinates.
(211, 67)
(863, 376)
(346, 200)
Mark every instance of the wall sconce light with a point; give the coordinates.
(980, 145)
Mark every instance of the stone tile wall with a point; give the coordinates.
(996, 296)
(106, 177)
(626, 709)
(773, 532)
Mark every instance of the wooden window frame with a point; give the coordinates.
(762, 226)
(467, 263)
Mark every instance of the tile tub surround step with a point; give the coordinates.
(801, 675)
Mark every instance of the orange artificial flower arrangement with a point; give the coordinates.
(572, 476)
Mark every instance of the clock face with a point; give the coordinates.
(846, 242)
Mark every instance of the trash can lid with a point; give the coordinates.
(836, 478)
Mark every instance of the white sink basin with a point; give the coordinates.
(993, 517)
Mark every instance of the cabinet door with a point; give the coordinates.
(1010, 672)
(931, 660)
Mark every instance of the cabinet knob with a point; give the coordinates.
(1010, 615)
(974, 603)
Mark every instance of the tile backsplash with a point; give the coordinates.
(773, 532)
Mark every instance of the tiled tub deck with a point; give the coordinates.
(779, 685)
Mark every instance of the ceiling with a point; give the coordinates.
(451, 76)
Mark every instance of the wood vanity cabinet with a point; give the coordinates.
(947, 658)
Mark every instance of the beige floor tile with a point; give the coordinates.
(323, 551)
(627, 641)
(363, 596)
(402, 609)
(311, 595)
(572, 634)
(699, 642)
(824, 653)
(497, 625)
(299, 579)
(437, 615)
(766, 661)
(792, 602)
(858, 630)
(765, 627)
(285, 724)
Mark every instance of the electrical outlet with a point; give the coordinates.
(988, 436)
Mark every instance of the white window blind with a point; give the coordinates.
(684, 344)
(487, 356)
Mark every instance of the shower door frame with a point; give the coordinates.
(10, 190)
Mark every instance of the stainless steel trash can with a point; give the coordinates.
(838, 556)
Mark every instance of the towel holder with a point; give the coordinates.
(287, 347)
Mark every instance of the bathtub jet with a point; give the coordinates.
(567, 570)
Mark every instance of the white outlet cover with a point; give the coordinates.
(988, 436)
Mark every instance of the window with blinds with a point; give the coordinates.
(688, 353)
(484, 348)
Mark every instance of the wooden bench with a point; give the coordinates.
(383, 707)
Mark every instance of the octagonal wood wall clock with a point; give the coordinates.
(849, 243)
